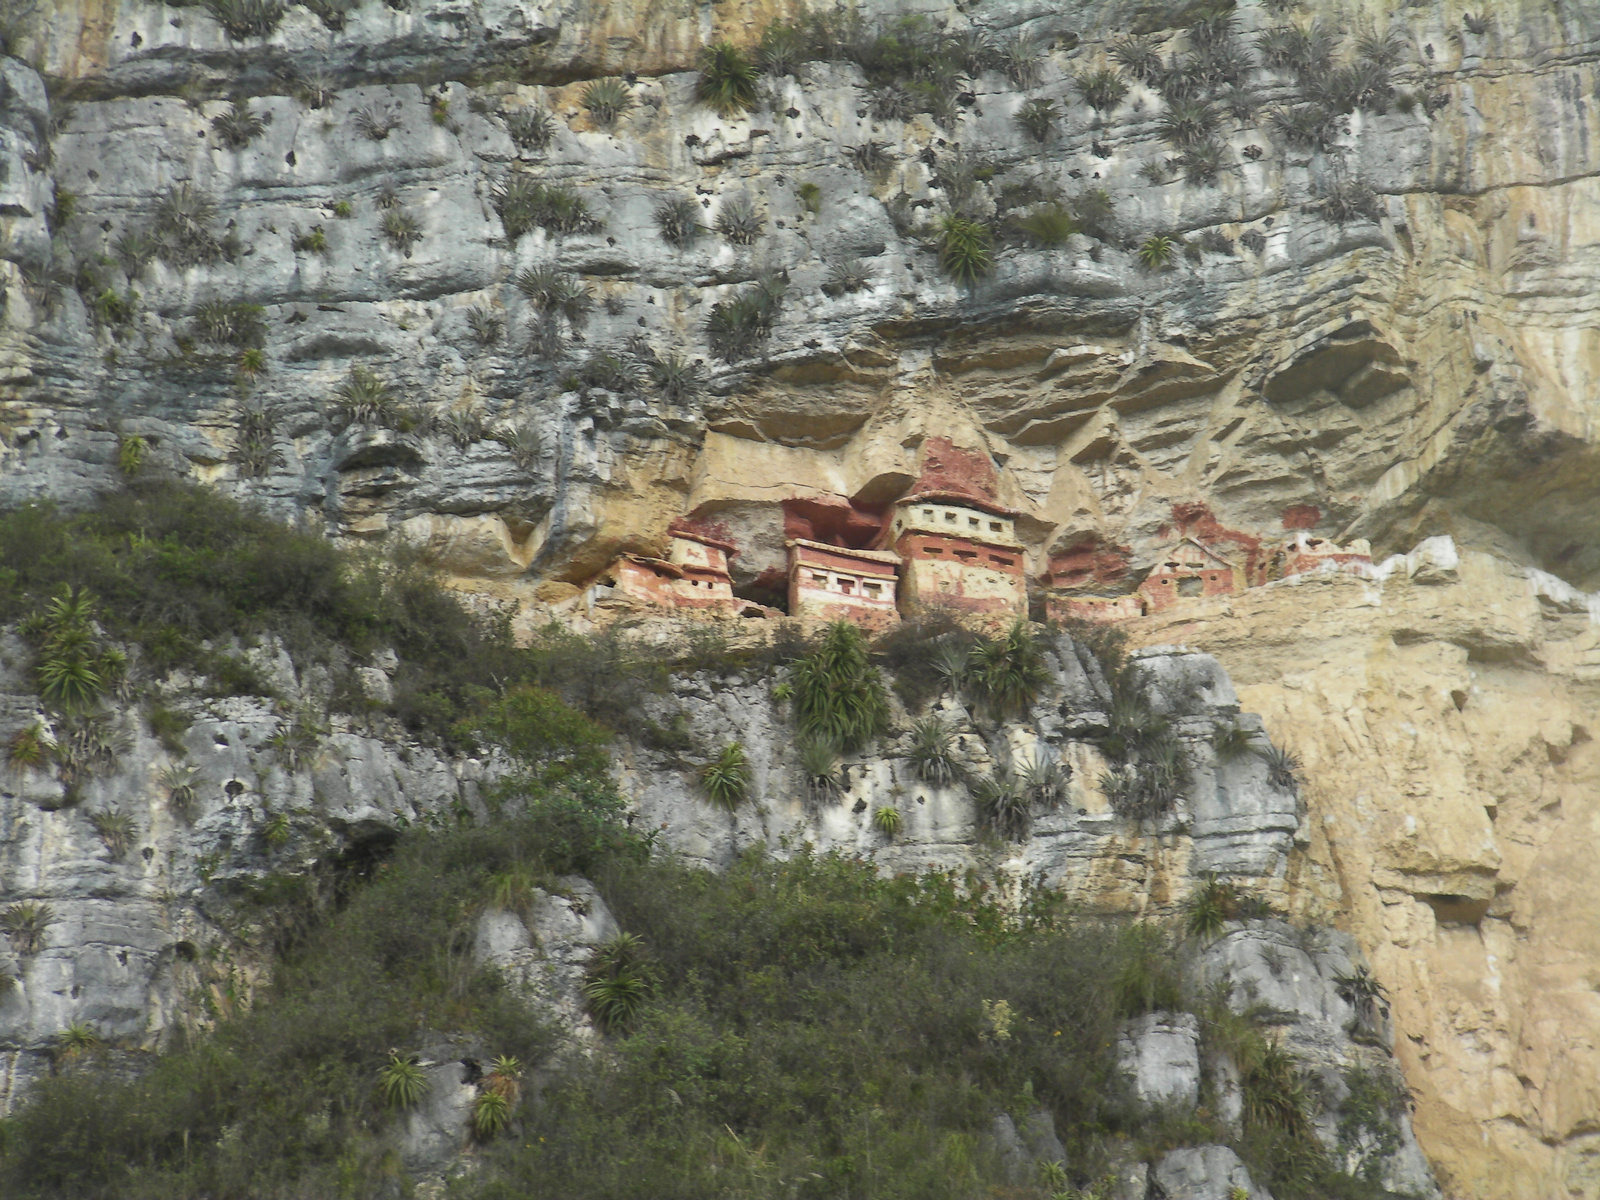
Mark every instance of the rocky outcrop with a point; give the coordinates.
(1443, 716)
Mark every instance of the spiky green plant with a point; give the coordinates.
(1370, 999)
(182, 783)
(76, 1040)
(230, 323)
(277, 831)
(115, 829)
(531, 128)
(727, 80)
(513, 888)
(847, 275)
(886, 820)
(679, 220)
(726, 778)
(739, 221)
(1003, 806)
(1007, 674)
(676, 377)
(1101, 90)
(819, 763)
(555, 292)
(619, 983)
(363, 398)
(238, 126)
(1283, 767)
(246, 18)
(400, 229)
(606, 100)
(487, 326)
(491, 1113)
(933, 752)
(1019, 58)
(525, 204)
(1139, 57)
(783, 48)
(1048, 225)
(1273, 1091)
(1231, 743)
(738, 327)
(1037, 119)
(838, 693)
(1208, 909)
(1156, 252)
(965, 248)
(1044, 778)
(24, 924)
(402, 1083)
(28, 748)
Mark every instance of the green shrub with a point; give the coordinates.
(313, 241)
(1148, 976)
(726, 778)
(965, 249)
(525, 204)
(810, 196)
(176, 565)
(727, 81)
(606, 100)
(1048, 225)
(838, 694)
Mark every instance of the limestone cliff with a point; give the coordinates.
(1377, 328)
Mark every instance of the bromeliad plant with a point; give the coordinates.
(726, 778)
(402, 1083)
(74, 668)
(838, 694)
(621, 980)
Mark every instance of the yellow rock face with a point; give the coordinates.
(1453, 784)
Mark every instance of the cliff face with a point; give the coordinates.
(1384, 332)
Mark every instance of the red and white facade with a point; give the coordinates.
(959, 551)
(837, 583)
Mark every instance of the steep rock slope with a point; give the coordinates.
(1420, 366)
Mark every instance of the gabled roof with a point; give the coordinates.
(1172, 548)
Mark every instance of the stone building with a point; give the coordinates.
(959, 551)
(1303, 552)
(693, 575)
(1188, 569)
(839, 583)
